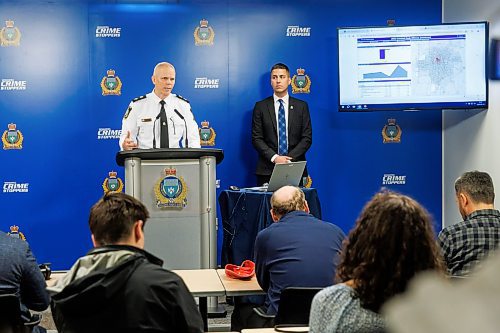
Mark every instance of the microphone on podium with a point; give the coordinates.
(185, 127)
(154, 126)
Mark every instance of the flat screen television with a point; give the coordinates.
(440, 66)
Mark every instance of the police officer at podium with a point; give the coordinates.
(160, 119)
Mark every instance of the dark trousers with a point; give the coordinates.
(244, 317)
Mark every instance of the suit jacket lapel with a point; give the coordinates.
(272, 113)
(291, 115)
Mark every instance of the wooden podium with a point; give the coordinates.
(178, 188)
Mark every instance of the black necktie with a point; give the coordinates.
(163, 126)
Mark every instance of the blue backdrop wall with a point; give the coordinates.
(69, 128)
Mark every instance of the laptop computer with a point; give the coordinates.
(283, 174)
(286, 174)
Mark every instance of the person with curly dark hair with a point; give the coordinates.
(392, 241)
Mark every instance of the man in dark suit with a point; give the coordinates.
(19, 274)
(276, 112)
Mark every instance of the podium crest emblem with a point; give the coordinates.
(14, 232)
(204, 34)
(207, 134)
(171, 191)
(112, 183)
(10, 35)
(111, 84)
(391, 133)
(12, 138)
(301, 83)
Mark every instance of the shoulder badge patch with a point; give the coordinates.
(125, 116)
(184, 99)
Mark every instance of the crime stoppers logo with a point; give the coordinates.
(392, 179)
(12, 138)
(104, 31)
(11, 84)
(206, 83)
(298, 31)
(14, 187)
(107, 133)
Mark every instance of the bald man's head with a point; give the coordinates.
(287, 199)
(162, 65)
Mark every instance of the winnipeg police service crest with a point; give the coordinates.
(14, 232)
(10, 35)
(111, 84)
(308, 182)
(204, 34)
(112, 183)
(12, 138)
(301, 83)
(391, 133)
(171, 191)
(207, 134)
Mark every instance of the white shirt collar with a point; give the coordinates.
(158, 99)
(284, 98)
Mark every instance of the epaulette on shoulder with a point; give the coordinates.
(180, 97)
(138, 98)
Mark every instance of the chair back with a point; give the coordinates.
(295, 305)
(10, 315)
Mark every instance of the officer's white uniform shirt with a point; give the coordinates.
(140, 119)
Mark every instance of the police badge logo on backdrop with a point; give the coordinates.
(301, 83)
(204, 34)
(171, 191)
(112, 183)
(111, 84)
(14, 232)
(207, 134)
(12, 138)
(10, 35)
(391, 133)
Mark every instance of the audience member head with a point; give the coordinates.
(474, 191)
(287, 199)
(118, 218)
(280, 79)
(392, 240)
